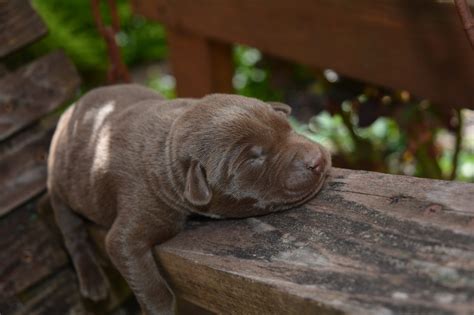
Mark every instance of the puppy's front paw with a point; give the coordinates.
(92, 280)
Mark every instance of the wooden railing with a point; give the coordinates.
(369, 243)
(417, 45)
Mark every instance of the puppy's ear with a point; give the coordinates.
(280, 107)
(197, 189)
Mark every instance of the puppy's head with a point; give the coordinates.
(238, 157)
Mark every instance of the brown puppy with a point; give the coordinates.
(125, 158)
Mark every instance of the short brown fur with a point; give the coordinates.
(139, 165)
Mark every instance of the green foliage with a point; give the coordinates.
(250, 78)
(165, 84)
(72, 29)
(384, 146)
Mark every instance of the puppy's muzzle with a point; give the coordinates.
(305, 169)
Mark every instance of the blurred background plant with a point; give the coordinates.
(365, 126)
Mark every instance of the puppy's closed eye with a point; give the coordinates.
(256, 151)
(257, 154)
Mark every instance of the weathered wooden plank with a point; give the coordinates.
(119, 293)
(9, 304)
(19, 25)
(369, 243)
(35, 274)
(58, 295)
(201, 66)
(29, 250)
(415, 45)
(23, 165)
(35, 90)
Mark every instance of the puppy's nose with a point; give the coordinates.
(313, 161)
(305, 169)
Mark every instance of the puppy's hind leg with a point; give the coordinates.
(92, 280)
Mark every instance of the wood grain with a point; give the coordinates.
(58, 295)
(35, 90)
(201, 66)
(29, 250)
(415, 45)
(369, 243)
(19, 25)
(35, 274)
(23, 165)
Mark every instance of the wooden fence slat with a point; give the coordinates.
(23, 165)
(58, 295)
(201, 66)
(19, 25)
(34, 278)
(35, 90)
(415, 45)
(30, 251)
(369, 243)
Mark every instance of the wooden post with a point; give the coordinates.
(200, 65)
